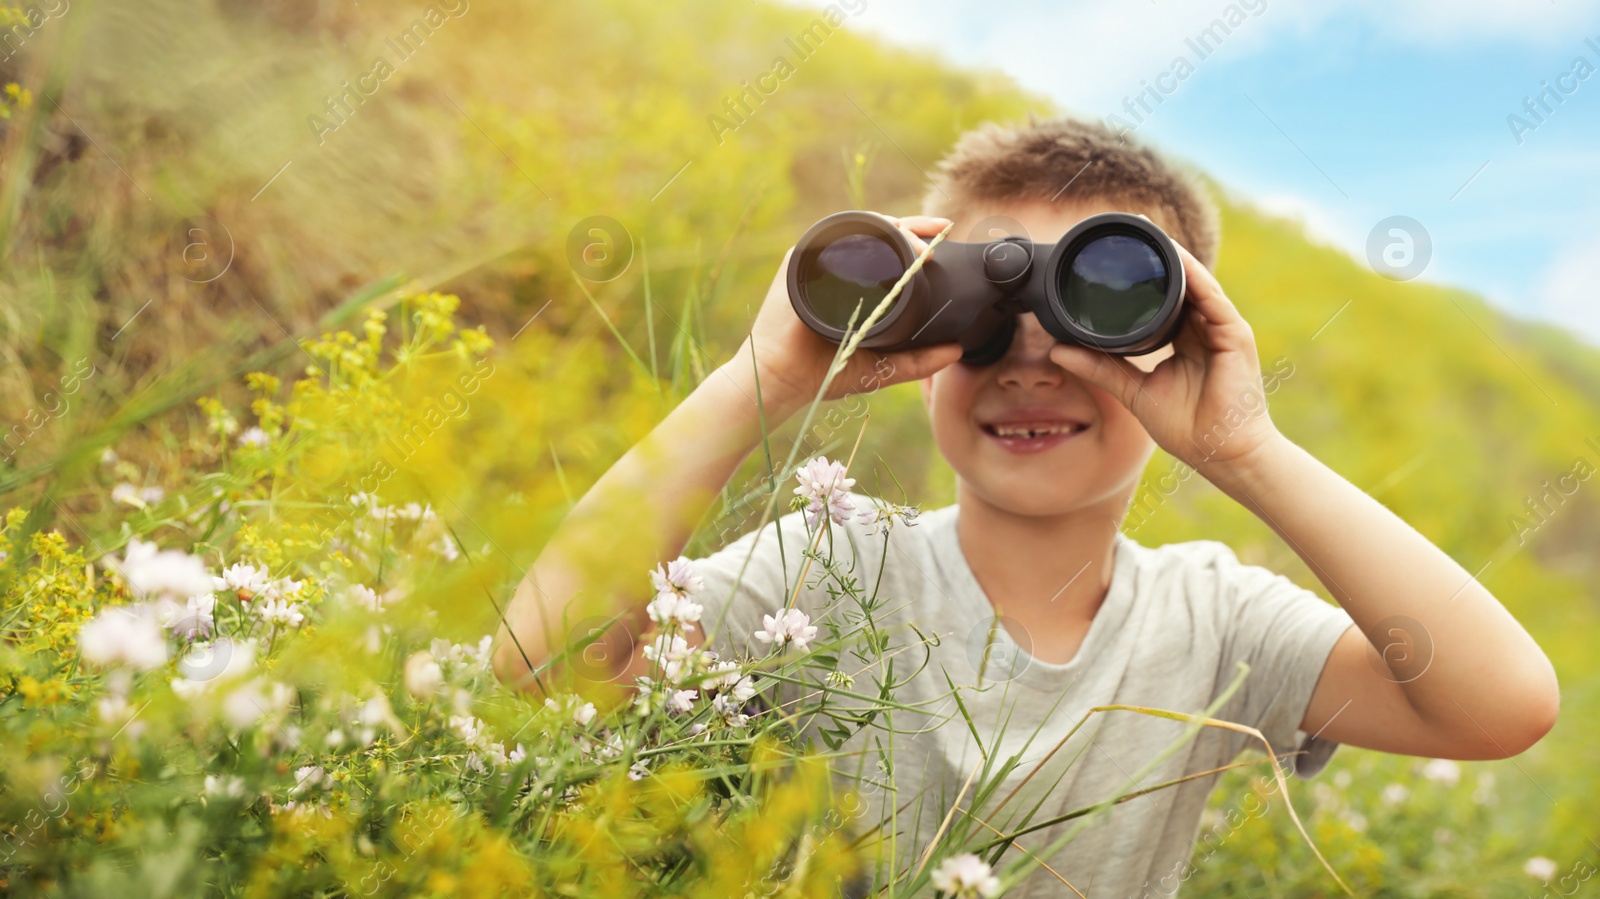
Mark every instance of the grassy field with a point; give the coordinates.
(190, 195)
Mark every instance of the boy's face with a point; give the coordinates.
(1094, 448)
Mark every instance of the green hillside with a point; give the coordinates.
(467, 170)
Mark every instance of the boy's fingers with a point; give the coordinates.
(1113, 374)
(1206, 293)
(914, 365)
(924, 225)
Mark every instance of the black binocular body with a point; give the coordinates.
(1114, 282)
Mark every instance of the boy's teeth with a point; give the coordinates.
(1033, 431)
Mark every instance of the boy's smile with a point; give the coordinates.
(1025, 435)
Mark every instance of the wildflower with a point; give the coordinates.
(446, 548)
(966, 876)
(115, 710)
(1540, 867)
(153, 572)
(680, 702)
(254, 437)
(256, 700)
(638, 771)
(1394, 794)
(721, 675)
(152, 495)
(1442, 771)
(279, 611)
(308, 778)
(283, 587)
(677, 578)
(108, 456)
(213, 662)
(671, 608)
(730, 709)
(195, 618)
(246, 580)
(826, 489)
(423, 677)
(467, 727)
(582, 715)
(223, 787)
(127, 494)
(882, 517)
(364, 596)
(124, 635)
(373, 714)
(792, 628)
(516, 755)
(667, 649)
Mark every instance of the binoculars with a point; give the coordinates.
(1114, 282)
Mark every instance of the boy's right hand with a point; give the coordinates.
(792, 360)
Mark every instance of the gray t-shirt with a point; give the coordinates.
(1175, 621)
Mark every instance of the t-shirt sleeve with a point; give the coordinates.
(1285, 633)
(736, 594)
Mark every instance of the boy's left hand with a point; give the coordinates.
(1204, 402)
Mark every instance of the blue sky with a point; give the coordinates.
(1341, 113)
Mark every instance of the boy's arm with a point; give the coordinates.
(643, 510)
(1486, 691)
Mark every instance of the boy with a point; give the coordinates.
(1048, 445)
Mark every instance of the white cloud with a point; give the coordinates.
(1092, 55)
(1569, 296)
(1320, 225)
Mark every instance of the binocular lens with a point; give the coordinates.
(851, 270)
(1115, 285)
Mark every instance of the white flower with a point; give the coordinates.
(126, 493)
(582, 714)
(152, 495)
(966, 876)
(1394, 794)
(1442, 771)
(124, 635)
(194, 618)
(470, 729)
(680, 702)
(153, 572)
(254, 437)
(246, 580)
(116, 710)
(279, 611)
(516, 756)
(445, 546)
(308, 778)
(677, 578)
(882, 517)
(730, 709)
(826, 489)
(108, 456)
(669, 607)
(423, 676)
(638, 771)
(256, 700)
(364, 596)
(237, 658)
(1540, 867)
(793, 628)
(223, 787)
(283, 588)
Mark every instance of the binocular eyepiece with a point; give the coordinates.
(1114, 282)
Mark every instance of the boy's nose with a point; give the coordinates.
(1027, 361)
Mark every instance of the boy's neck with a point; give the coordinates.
(1049, 573)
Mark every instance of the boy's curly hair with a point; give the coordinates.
(1064, 159)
